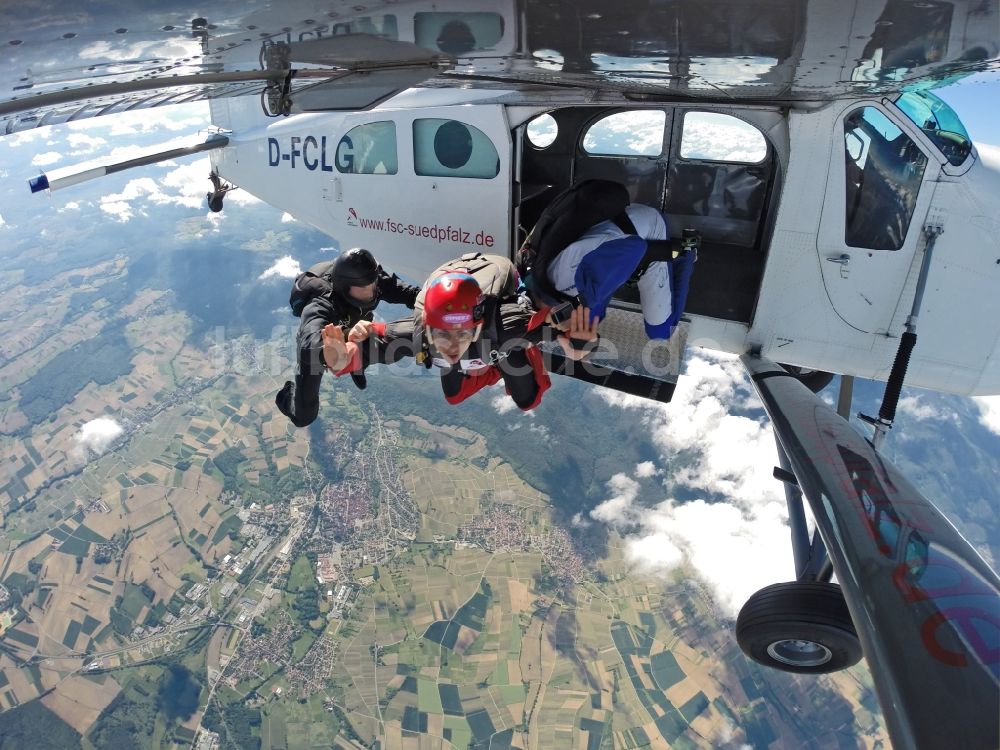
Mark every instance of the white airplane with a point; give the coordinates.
(841, 206)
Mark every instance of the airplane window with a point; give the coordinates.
(368, 149)
(453, 145)
(542, 131)
(449, 148)
(634, 133)
(384, 26)
(884, 171)
(712, 136)
(939, 122)
(458, 34)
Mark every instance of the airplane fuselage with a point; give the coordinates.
(814, 221)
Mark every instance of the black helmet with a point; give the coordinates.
(356, 267)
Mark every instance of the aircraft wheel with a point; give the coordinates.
(799, 627)
(814, 380)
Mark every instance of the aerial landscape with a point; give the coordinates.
(182, 567)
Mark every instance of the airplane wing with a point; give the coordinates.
(79, 59)
(89, 59)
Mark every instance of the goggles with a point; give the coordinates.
(455, 336)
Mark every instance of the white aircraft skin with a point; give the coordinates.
(811, 312)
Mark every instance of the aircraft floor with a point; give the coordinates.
(724, 285)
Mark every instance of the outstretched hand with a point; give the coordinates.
(334, 347)
(360, 331)
(582, 329)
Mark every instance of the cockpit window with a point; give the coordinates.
(939, 122)
(884, 171)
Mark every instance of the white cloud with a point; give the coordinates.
(189, 183)
(175, 119)
(26, 136)
(620, 509)
(285, 267)
(96, 435)
(168, 49)
(989, 412)
(735, 550)
(241, 198)
(84, 144)
(2, 222)
(628, 133)
(287, 218)
(184, 186)
(71, 206)
(736, 535)
(119, 205)
(917, 408)
(646, 469)
(46, 158)
(503, 403)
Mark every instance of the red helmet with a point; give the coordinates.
(453, 301)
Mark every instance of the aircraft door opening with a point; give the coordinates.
(721, 174)
(710, 171)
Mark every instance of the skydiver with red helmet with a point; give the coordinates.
(474, 337)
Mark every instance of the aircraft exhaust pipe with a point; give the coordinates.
(43, 182)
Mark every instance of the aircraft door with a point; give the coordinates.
(877, 197)
(421, 190)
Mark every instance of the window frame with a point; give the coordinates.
(680, 139)
(848, 212)
(360, 126)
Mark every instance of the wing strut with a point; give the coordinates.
(44, 182)
(887, 413)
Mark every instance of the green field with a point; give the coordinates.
(21, 637)
(231, 523)
(429, 697)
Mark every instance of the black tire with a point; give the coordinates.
(799, 627)
(814, 380)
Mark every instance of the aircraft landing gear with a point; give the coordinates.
(799, 627)
(803, 625)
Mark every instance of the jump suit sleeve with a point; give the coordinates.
(392, 289)
(605, 269)
(391, 343)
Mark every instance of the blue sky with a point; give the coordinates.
(976, 99)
